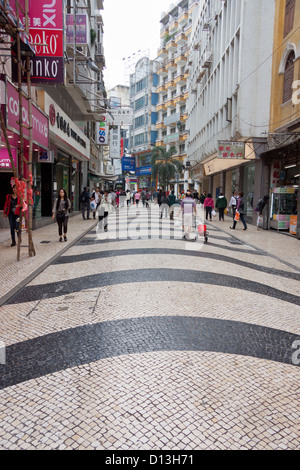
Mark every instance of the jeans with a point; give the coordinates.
(14, 225)
(208, 212)
(85, 207)
(104, 215)
(62, 224)
(242, 219)
(221, 213)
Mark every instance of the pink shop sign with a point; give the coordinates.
(5, 160)
(40, 123)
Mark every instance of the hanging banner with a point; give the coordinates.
(46, 37)
(231, 150)
(128, 164)
(102, 131)
(115, 143)
(81, 29)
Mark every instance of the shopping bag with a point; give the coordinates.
(213, 213)
(259, 222)
(237, 216)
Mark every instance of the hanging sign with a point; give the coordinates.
(102, 131)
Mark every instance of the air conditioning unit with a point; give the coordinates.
(207, 59)
(201, 75)
(206, 25)
(197, 45)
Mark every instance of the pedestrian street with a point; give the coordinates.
(137, 339)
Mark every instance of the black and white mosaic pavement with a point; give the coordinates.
(141, 292)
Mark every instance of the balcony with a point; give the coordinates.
(171, 46)
(183, 18)
(180, 80)
(161, 89)
(179, 99)
(163, 32)
(192, 7)
(160, 143)
(160, 125)
(162, 71)
(170, 85)
(207, 59)
(180, 39)
(184, 116)
(162, 52)
(161, 107)
(180, 59)
(172, 119)
(170, 104)
(186, 95)
(188, 30)
(184, 137)
(171, 138)
(173, 26)
(170, 65)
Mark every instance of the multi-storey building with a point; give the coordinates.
(68, 98)
(176, 27)
(282, 160)
(143, 133)
(229, 94)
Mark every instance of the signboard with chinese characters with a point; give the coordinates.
(122, 116)
(81, 29)
(128, 164)
(231, 150)
(115, 143)
(5, 160)
(46, 37)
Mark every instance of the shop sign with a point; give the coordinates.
(5, 160)
(81, 29)
(128, 164)
(46, 37)
(102, 131)
(40, 123)
(293, 224)
(46, 157)
(231, 150)
(115, 143)
(145, 170)
(122, 116)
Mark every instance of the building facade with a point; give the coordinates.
(229, 95)
(281, 162)
(174, 57)
(143, 132)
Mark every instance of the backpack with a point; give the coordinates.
(259, 206)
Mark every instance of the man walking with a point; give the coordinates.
(85, 203)
(187, 206)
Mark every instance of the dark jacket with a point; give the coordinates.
(221, 202)
(241, 207)
(171, 199)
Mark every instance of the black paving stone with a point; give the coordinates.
(171, 251)
(89, 343)
(64, 287)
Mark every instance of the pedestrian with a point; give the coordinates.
(164, 205)
(155, 194)
(61, 208)
(221, 204)
(12, 211)
(233, 203)
(261, 204)
(93, 204)
(241, 210)
(171, 202)
(137, 197)
(117, 198)
(128, 197)
(187, 207)
(144, 196)
(202, 197)
(97, 195)
(209, 206)
(85, 203)
(104, 209)
(148, 197)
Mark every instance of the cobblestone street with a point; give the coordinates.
(136, 339)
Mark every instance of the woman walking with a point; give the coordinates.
(61, 209)
(209, 205)
(241, 210)
(12, 211)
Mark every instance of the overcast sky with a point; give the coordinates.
(130, 26)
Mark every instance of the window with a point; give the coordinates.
(289, 16)
(288, 77)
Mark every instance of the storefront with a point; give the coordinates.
(70, 149)
(40, 140)
(282, 167)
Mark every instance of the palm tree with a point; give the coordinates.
(164, 165)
